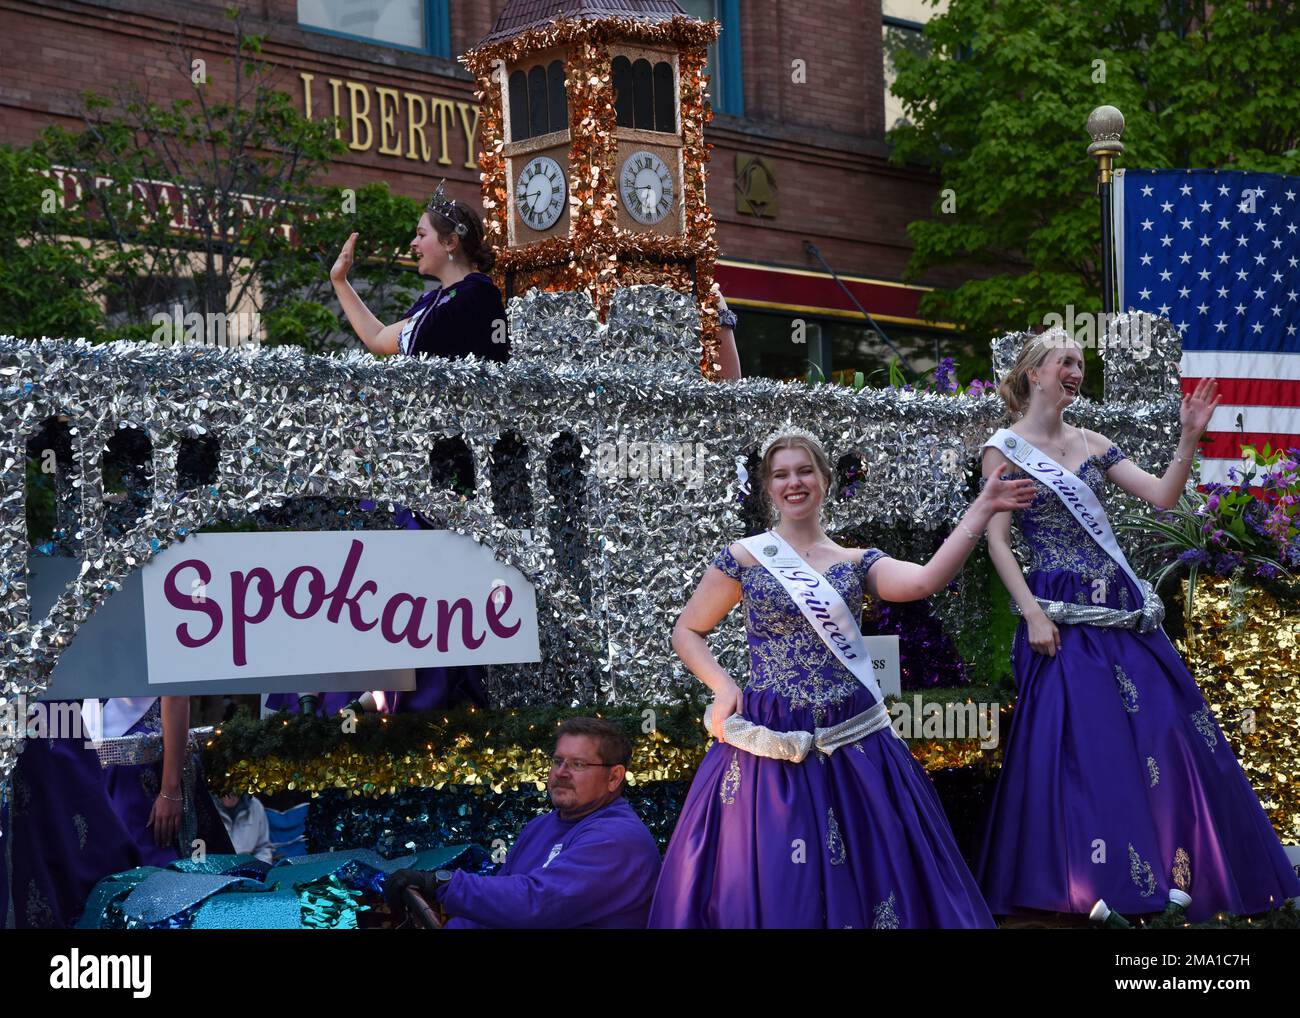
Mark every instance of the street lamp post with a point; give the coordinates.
(1106, 124)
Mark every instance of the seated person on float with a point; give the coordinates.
(591, 862)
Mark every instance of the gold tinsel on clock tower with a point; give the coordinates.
(592, 129)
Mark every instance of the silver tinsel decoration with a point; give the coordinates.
(659, 451)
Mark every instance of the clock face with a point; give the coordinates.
(540, 192)
(646, 187)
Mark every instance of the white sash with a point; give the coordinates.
(820, 604)
(1077, 496)
(407, 337)
(109, 719)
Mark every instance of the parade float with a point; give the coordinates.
(608, 466)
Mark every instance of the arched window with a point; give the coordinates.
(850, 473)
(518, 105)
(198, 461)
(623, 91)
(451, 466)
(538, 101)
(53, 494)
(559, 100)
(511, 498)
(665, 98)
(645, 97)
(566, 477)
(127, 473)
(539, 110)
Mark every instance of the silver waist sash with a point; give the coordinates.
(1147, 619)
(794, 746)
(143, 747)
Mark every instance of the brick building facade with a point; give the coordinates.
(800, 106)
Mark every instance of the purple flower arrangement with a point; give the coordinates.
(941, 381)
(1250, 528)
(927, 656)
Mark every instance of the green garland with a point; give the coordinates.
(1285, 918)
(298, 737)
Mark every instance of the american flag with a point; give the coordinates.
(1217, 252)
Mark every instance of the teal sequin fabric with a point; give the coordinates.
(323, 891)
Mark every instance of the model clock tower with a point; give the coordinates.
(593, 162)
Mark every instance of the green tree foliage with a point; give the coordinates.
(210, 202)
(43, 283)
(998, 110)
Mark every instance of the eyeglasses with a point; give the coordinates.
(577, 766)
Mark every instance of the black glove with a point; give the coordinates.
(395, 883)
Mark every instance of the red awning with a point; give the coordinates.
(748, 284)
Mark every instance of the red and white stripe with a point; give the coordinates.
(1263, 388)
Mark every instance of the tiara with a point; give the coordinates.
(787, 431)
(1055, 336)
(446, 208)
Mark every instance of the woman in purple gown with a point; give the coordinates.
(59, 833)
(1117, 784)
(163, 803)
(808, 810)
(464, 317)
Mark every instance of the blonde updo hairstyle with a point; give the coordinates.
(1014, 389)
(820, 463)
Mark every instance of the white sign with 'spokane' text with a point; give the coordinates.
(223, 606)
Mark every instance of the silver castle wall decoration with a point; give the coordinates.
(292, 426)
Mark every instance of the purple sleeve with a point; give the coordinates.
(420, 302)
(726, 562)
(869, 558)
(1110, 457)
(595, 876)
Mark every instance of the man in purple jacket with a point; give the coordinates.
(590, 863)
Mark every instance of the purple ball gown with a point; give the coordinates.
(60, 834)
(133, 789)
(855, 839)
(1116, 782)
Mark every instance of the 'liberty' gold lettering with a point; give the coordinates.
(388, 121)
(414, 104)
(386, 126)
(471, 161)
(306, 93)
(360, 115)
(446, 108)
(335, 85)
